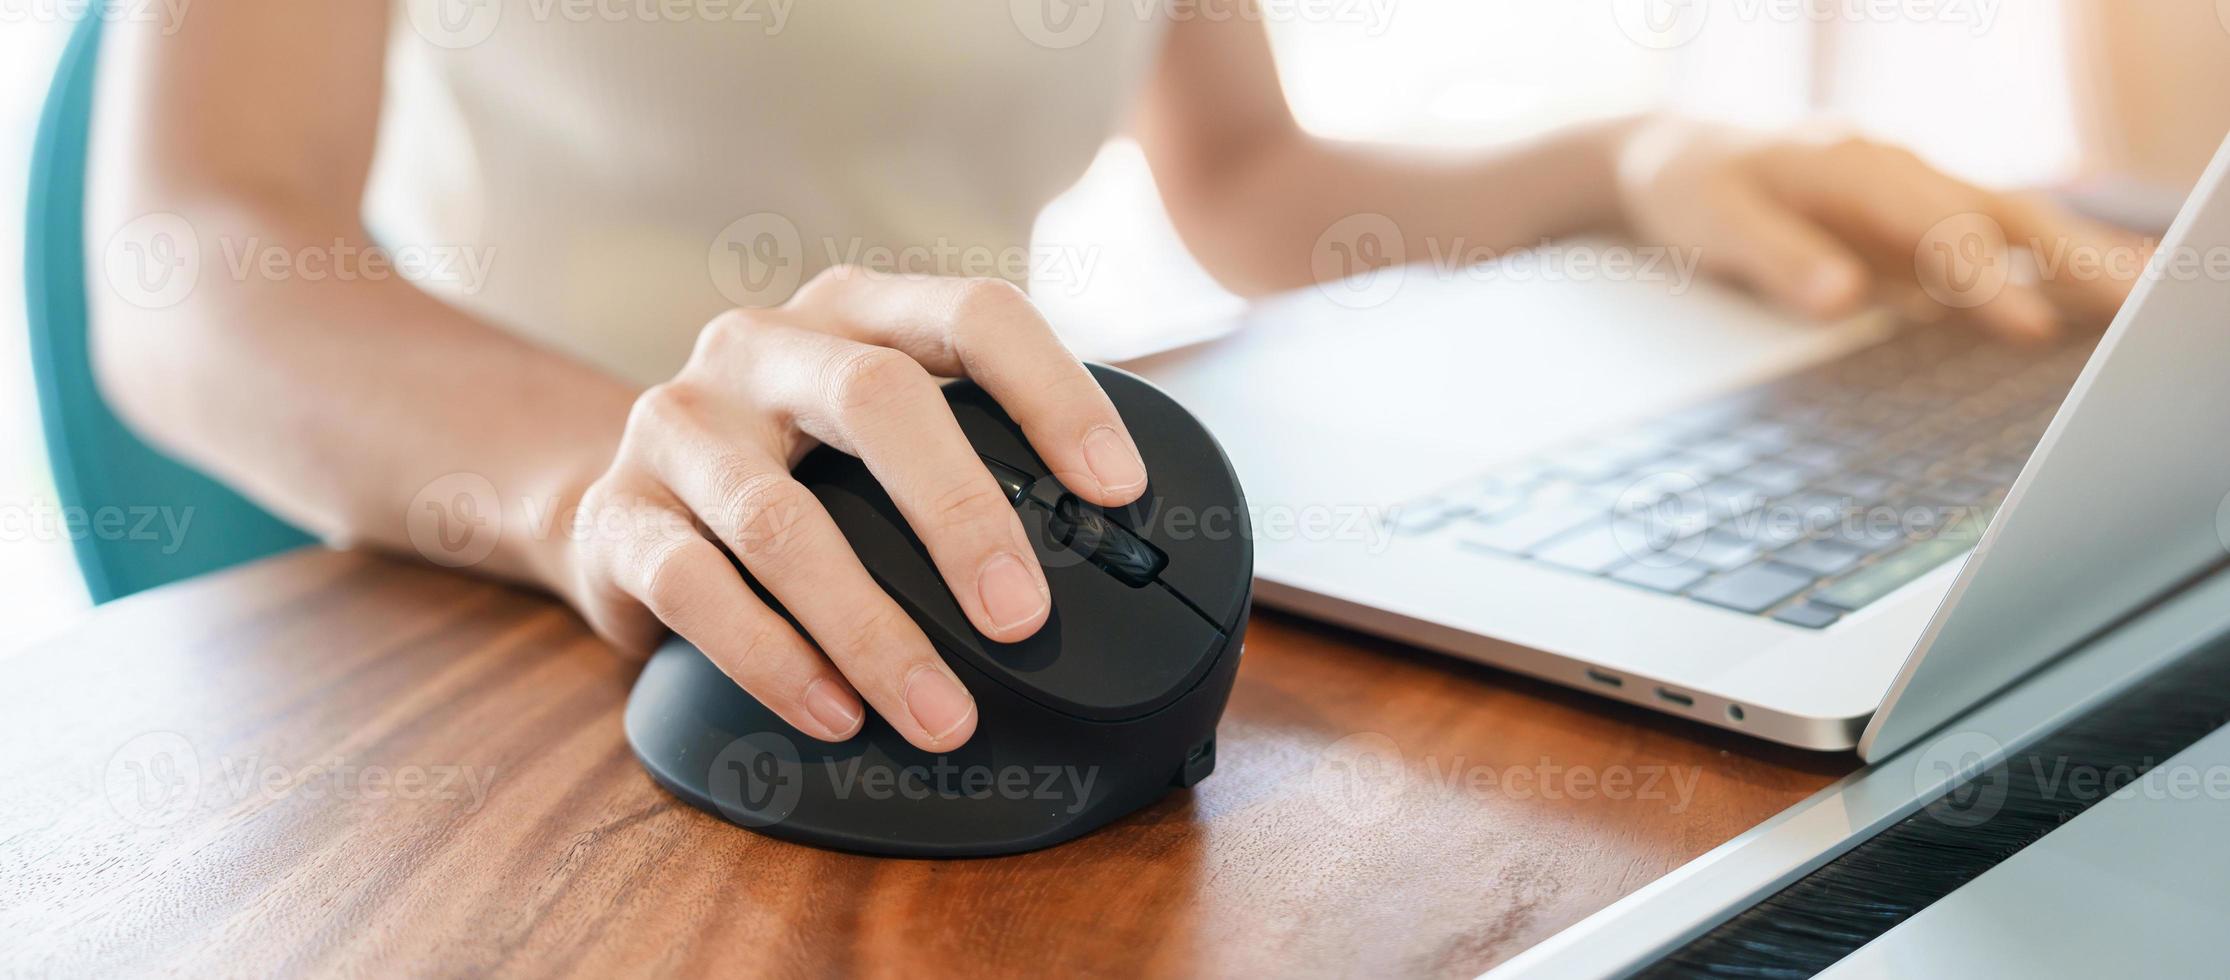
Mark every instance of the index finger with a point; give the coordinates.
(987, 330)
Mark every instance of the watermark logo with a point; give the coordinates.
(1966, 763)
(1058, 24)
(1659, 519)
(1360, 780)
(1360, 261)
(456, 520)
(455, 23)
(153, 780)
(757, 260)
(756, 780)
(1660, 25)
(1964, 261)
(154, 262)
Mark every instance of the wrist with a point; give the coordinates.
(551, 531)
(1616, 148)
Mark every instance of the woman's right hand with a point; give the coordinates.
(851, 361)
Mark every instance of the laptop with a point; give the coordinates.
(1655, 490)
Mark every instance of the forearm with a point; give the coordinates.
(336, 402)
(1256, 223)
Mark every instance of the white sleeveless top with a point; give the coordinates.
(603, 176)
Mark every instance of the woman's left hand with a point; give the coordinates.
(1827, 225)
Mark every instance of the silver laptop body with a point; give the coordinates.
(1652, 489)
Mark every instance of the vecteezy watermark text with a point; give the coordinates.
(465, 23)
(159, 778)
(1364, 260)
(458, 519)
(161, 525)
(758, 780)
(1365, 779)
(157, 260)
(1062, 24)
(169, 13)
(760, 258)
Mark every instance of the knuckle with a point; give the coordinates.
(988, 299)
(968, 506)
(770, 510)
(729, 332)
(826, 281)
(993, 315)
(868, 379)
(1078, 387)
(665, 581)
(664, 407)
(757, 659)
(876, 633)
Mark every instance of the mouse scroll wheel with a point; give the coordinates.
(1081, 528)
(1012, 482)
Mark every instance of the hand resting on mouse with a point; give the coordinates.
(850, 361)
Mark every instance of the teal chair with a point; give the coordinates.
(99, 465)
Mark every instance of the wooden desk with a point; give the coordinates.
(162, 806)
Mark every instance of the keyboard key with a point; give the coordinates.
(1729, 497)
(1820, 557)
(1592, 550)
(1695, 470)
(1489, 502)
(1864, 488)
(1594, 464)
(1814, 511)
(1810, 615)
(1963, 490)
(1754, 589)
(1821, 457)
(1776, 477)
(1426, 516)
(1770, 437)
(1727, 454)
(1720, 551)
(1888, 575)
(1906, 466)
(1671, 579)
(1769, 527)
(1867, 534)
(1523, 531)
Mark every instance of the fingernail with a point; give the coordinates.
(1113, 463)
(836, 711)
(939, 705)
(1011, 595)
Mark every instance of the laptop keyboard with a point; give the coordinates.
(1803, 500)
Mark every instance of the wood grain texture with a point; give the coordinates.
(189, 786)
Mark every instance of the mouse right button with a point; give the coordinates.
(1193, 512)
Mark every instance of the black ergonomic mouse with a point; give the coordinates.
(1110, 705)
